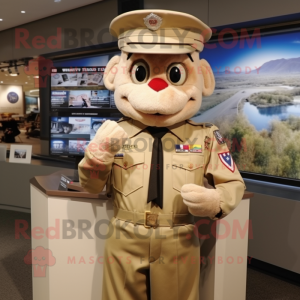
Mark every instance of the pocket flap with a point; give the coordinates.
(188, 162)
(129, 160)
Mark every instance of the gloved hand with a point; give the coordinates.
(201, 202)
(96, 165)
(109, 139)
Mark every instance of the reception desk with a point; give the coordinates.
(68, 237)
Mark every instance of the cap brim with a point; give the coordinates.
(170, 19)
(158, 48)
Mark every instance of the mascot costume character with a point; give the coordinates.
(155, 161)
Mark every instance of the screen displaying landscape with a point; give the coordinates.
(256, 102)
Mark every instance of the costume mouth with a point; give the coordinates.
(155, 114)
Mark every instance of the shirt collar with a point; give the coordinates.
(136, 127)
(177, 129)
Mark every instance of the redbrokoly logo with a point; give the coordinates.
(39, 258)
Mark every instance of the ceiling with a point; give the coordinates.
(11, 14)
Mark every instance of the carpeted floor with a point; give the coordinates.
(261, 286)
(15, 275)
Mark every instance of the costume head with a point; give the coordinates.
(159, 78)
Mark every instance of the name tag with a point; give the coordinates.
(128, 147)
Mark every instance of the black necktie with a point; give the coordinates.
(155, 191)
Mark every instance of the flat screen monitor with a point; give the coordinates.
(79, 103)
(70, 135)
(256, 102)
(79, 88)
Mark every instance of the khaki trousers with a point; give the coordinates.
(160, 263)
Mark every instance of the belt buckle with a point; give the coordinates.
(150, 220)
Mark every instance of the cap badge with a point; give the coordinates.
(153, 21)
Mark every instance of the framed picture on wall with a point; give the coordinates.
(20, 154)
(31, 104)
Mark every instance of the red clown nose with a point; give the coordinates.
(157, 84)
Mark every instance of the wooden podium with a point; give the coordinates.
(68, 237)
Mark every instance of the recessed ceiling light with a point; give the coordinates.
(14, 74)
(22, 11)
(1, 20)
(35, 76)
(1, 81)
(57, 0)
(26, 82)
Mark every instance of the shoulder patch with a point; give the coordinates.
(219, 137)
(200, 124)
(227, 160)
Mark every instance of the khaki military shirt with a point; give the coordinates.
(127, 176)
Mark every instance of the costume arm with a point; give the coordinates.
(93, 172)
(95, 167)
(227, 180)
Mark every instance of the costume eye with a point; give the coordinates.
(139, 72)
(177, 74)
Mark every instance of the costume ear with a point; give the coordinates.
(110, 73)
(208, 78)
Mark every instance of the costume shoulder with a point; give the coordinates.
(204, 125)
(123, 119)
(126, 124)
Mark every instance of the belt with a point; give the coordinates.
(149, 219)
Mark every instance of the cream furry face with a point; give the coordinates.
(159, 89)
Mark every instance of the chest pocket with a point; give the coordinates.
(128, 173)
(187, 168)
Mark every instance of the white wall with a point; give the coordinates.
(275, 224)
(95, 17)
(98, 16)
(225, 12)
(15, 187)
(198, 8)
(235, 11)
(5, 105)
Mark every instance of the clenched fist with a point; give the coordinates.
(201, 202)
(109, 139)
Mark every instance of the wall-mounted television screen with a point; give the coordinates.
(80, 87)
(77, 77)
(82, 99)
(80, 103)
(256, 102)
(69, 136)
